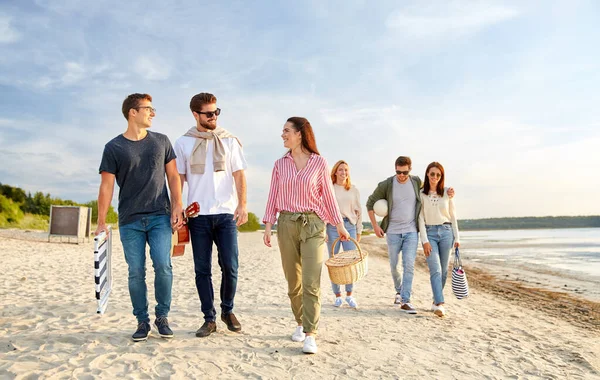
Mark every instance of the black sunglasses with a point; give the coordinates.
(210, 114)
(405, 172)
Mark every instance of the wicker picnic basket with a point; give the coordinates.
(347, 267)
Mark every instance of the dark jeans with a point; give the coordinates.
(220, 229)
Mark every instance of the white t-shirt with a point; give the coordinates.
(214, 191)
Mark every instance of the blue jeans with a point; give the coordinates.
(220, 229)
(441, 239)
(348, 245)
(407, 244)
(156, 231)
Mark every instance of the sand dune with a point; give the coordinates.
(49, 328)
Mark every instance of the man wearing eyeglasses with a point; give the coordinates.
(212, 162)
(402, 192)
(139, 160)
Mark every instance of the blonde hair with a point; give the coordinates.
(347, 182)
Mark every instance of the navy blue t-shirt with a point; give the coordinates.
(139, 168)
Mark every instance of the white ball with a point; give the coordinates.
(381, 208)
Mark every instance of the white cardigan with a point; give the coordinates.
(436, 211)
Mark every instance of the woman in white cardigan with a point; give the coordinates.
(348, 199)
(438, 228)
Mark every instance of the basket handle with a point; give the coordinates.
(353, 240)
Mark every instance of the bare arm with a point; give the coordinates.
(175, 188)
(105, 194)
(182, 179)
(378, 230)
(241, 214)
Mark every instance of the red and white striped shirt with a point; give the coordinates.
(309, 189)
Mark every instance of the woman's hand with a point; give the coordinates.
(358, 237)
(427, 249)
(456, 245)
(342, 232)
(267, 235)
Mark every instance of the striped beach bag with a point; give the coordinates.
(460, 287)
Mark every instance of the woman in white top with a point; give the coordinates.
(439, 231)
(348, 200)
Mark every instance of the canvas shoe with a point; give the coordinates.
(162, 325)
(142, 333)
(440, 311)
(351, 302)
(310, 345)
(398, 299)
(298, 335)
(338, 302)
(433, 307)
(408, 308)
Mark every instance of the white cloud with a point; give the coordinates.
(152, 68)
(7, 33)
(445, 19)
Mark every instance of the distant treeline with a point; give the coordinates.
(530, 222)
(523, 223)
(15, 203)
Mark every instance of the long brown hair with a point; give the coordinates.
(347, 182)
(306, 132)
(440, 186)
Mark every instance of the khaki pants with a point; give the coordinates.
(301, 238)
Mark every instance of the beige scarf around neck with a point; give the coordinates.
(198, 156)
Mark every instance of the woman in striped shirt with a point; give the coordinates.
(348, 200)
(302, 194)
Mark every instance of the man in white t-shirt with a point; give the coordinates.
(211, 161)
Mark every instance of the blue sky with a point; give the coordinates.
(503, 94)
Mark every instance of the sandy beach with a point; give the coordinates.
(49, 327)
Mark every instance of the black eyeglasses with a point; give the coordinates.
(210, 114)
(432, 174)
(152, 109)
(403, 172)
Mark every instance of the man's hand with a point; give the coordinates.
(102, 227)
(177, 220)
(378, 231)
(241, 215)
(427, 249)
(450, 192)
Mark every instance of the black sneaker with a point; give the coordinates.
(162, 325)
(231, 321)
(142, 333)
(207, 328)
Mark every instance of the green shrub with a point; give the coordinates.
(10, 213)
(251, 225)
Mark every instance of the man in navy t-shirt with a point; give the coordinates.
(139, 159)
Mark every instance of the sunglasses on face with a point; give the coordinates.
(438, 175)
(402, 172)
(210, 114)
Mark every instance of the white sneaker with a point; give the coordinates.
(433, 307)
(440, 311)
(310, 345)
(298, 335)
(351, 302)
(338, 302)
(398, 299)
